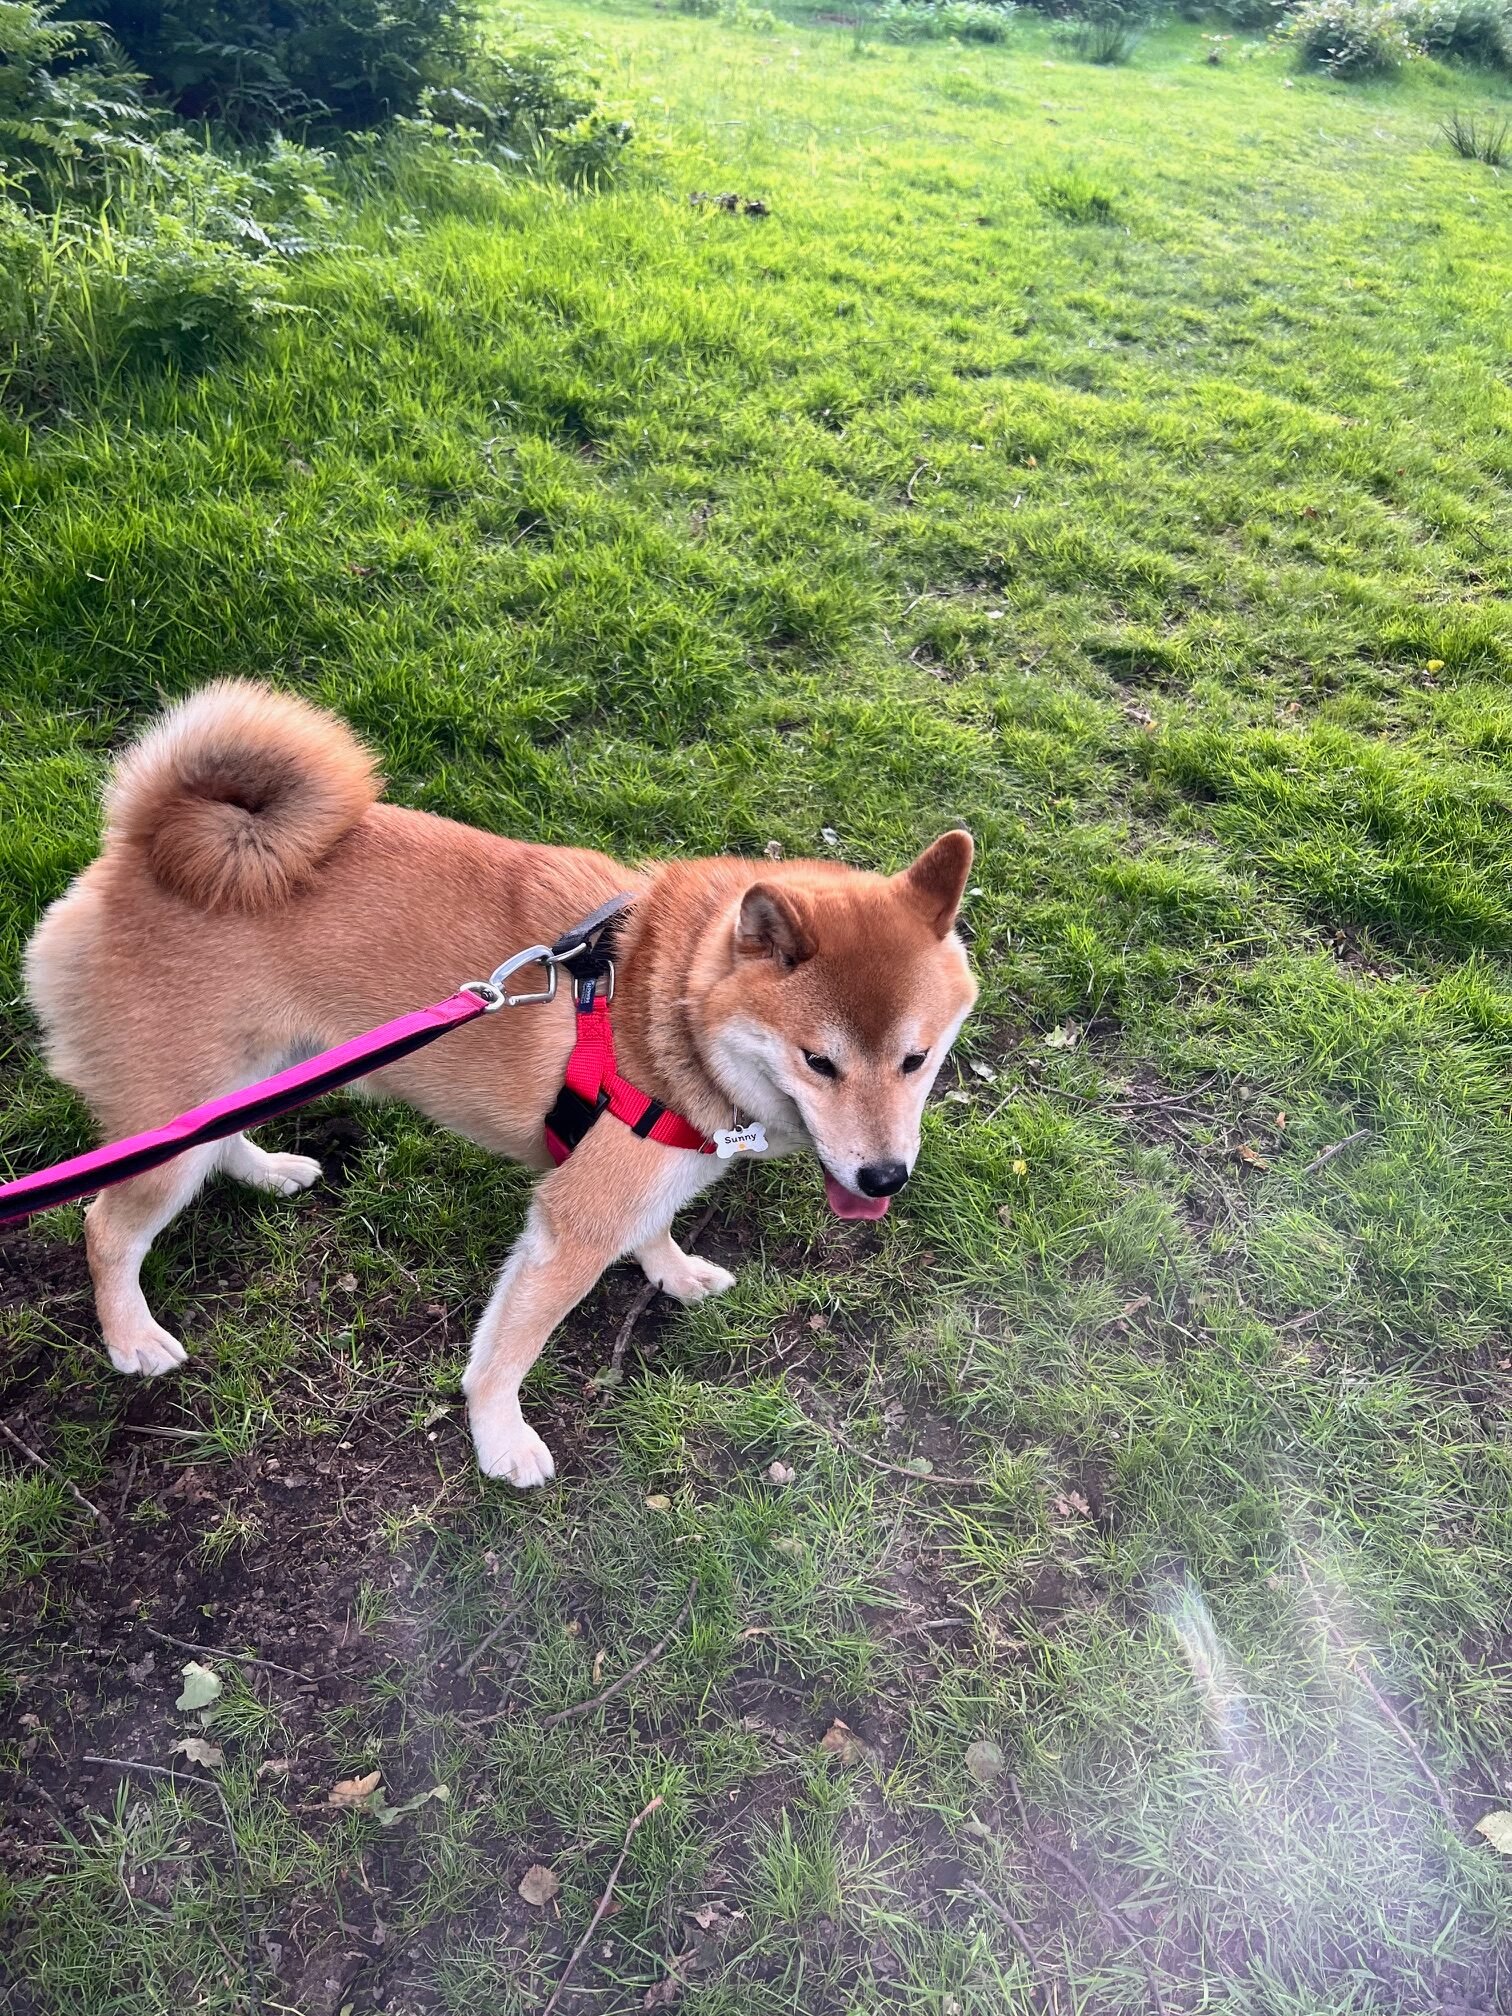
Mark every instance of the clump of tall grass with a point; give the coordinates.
(1487, 139)
(1107, 32)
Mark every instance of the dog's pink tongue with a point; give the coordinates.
(850, 1204)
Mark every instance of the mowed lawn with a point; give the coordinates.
(1117, 462)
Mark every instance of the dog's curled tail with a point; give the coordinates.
(238, 794)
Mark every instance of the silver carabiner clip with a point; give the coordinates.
(533, 955)
(493, 992)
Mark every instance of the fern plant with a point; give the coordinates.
(68, 104)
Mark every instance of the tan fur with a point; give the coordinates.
(253, 902)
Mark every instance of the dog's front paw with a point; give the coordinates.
(694, 1280)
(509, 1447)
(146, 1352)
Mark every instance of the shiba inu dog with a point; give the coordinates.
(255, 902)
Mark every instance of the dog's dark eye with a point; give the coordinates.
(822, 1065)
(915, 1061)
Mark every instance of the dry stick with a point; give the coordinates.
(1047, 2001)
(633, 1315)
(254, 2000)
(1099, 1903)
(42, 1464)
(497, 1632)
(646, 1297)
(131, 1471)
(900, 1469)
(1308, 1315)
(603, 1905)
(618, 1686)
(222, 1652)
(1383, 1706)
(1337, 1148)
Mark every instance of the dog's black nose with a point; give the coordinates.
(881, 1179)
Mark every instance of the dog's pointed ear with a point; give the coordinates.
(936, 882)
(772, 925)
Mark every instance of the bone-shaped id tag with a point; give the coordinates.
(749, 1140)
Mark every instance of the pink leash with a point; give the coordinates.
(234, 1111)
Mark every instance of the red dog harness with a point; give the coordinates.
(593, 1084)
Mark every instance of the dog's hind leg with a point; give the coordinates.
(684, 1276)
(286, 1174)
(118, 1229)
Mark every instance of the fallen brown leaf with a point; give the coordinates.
(841, 1741)
(539, 1885)
(198, 1751)
(349, 1792)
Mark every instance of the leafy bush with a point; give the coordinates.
(1472, 31)
(255, 64)
(440, 158)
(1351, 38)
(126, 242)
(68, 105)
(530, 105)
(1239, 13)
(182, 266)
(942, 20)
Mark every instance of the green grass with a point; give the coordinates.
(1118, 462)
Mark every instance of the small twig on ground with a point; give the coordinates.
(898, 1469)
(603, 1903)
(633, 1315)
(1309, 1315)
(223, 1652)
(254, 2000)
(67, 1482)
(131, 1471)
(914, 479)
(1000, 1910)
(497, 1632)
(647, 1296)
(1337, 1148)
(618, 1686)
(1106, 1911)
(472, 1723)
(1351, 1655)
